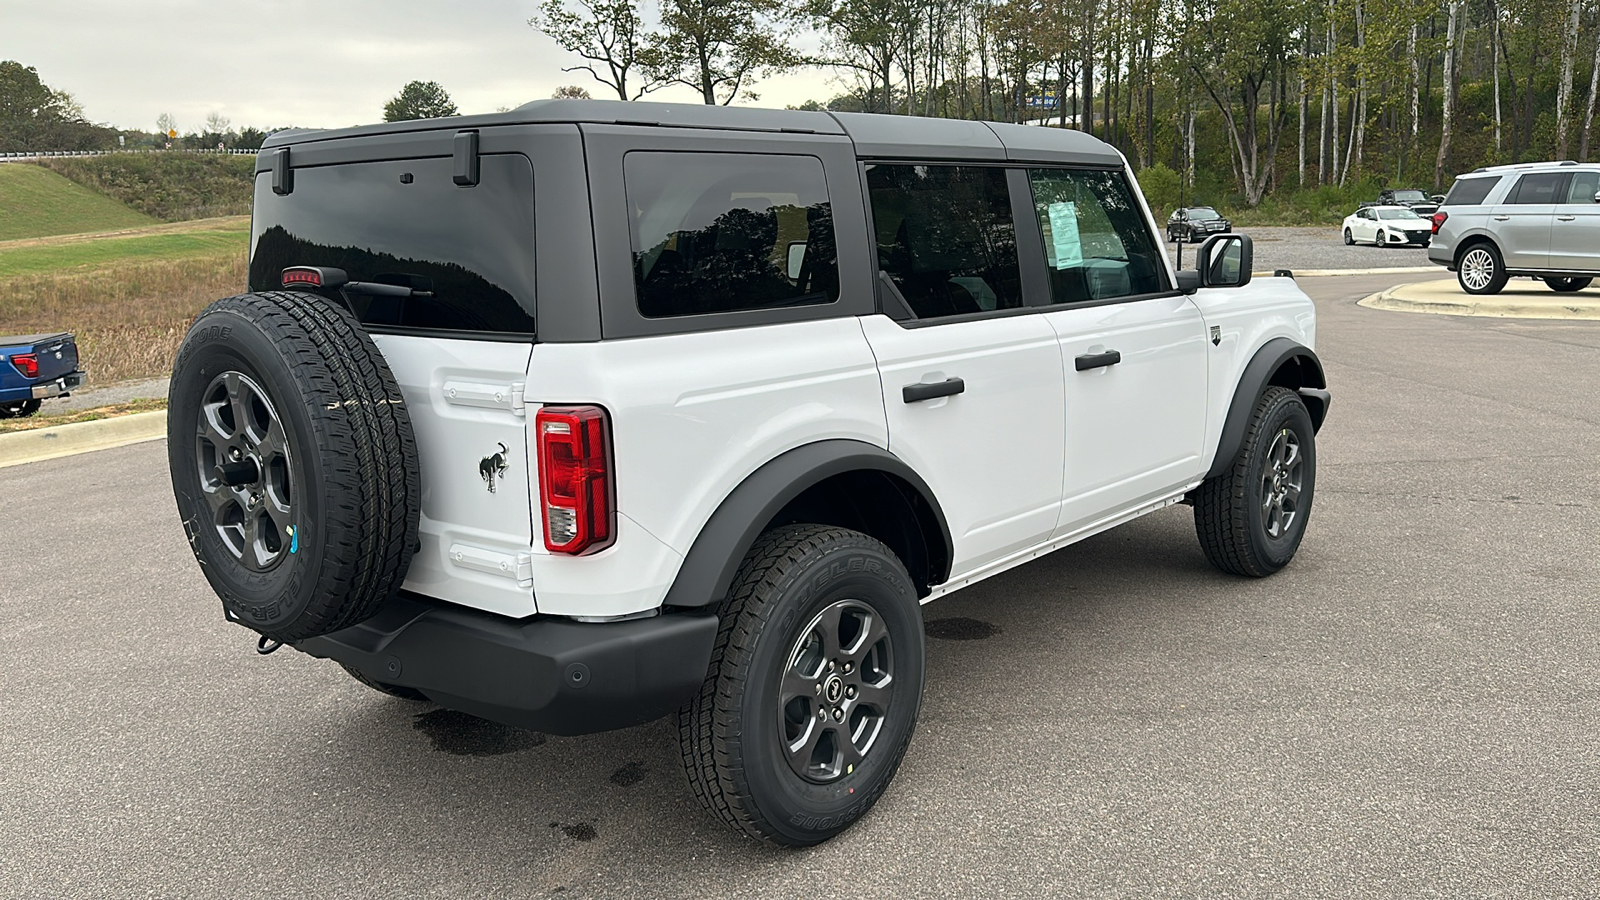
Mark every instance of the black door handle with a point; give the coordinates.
(1097, 360)
(915, 393)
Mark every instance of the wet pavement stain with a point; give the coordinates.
(582, 831)
(629, 775)
(459, 734)
(959, 629)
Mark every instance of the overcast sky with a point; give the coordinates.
(271, 63)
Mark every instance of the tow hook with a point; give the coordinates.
(266, 646)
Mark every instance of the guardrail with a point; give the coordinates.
(26, 156)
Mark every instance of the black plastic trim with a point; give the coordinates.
(282, 173)
(714, 559)
(548, 674)
(1253, 383)
(465, 155)
(916, 393)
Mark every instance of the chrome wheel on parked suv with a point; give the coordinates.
(1481, 271)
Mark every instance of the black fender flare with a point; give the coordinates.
(714, 559)
(1307, 378)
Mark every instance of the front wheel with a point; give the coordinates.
(1251, 517)
(1481, 270)
(814, 687)
(1348, 238)
(1382, 241)
(1567, 285)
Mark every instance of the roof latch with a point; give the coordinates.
(466, 158)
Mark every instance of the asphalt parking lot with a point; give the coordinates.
(1318, 249)
(1408, 710)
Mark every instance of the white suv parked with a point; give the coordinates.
(588, 413)
(1540, 220)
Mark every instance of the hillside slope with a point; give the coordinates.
(171, 185)
(35, 202)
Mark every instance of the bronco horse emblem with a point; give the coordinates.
(493, 466)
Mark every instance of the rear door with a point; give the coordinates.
(972, 379)
(1133, 349)
(1522, 222)
(1575, 233)
(460, 353)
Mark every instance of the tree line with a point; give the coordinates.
(1250, 97)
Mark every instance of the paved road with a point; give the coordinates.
(1406, 711)
(1308, 249)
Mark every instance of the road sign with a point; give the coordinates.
(172, 132)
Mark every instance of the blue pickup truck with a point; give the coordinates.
(35, 367)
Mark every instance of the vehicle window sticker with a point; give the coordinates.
(1066, 249)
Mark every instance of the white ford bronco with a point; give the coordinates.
(589, 413)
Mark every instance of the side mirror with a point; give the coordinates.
(1225, 260)
(1597, 196)
(1439, 198)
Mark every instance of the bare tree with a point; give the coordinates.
(1569, 49)
(1588, 113)
(607, 33)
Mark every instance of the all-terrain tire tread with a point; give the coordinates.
(1221, 503)
(708, 734)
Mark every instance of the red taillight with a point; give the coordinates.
(575, 490)
(1438, 219)
(27, 364)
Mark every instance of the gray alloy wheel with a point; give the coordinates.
(245, 470)
(834, 696)
(1281, 480)
(1383, 239)
(1480, 270)
(1348, 238)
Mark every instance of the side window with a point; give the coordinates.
(1470, 191)
(1539, 187)
(1096, 241)
(723, 232)
(1585, 185)
(946, 237)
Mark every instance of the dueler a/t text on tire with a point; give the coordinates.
(293, 463)
(814, 687)
(1250, 519)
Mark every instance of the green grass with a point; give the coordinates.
(171, 185)
(35, 202)
(79, 255)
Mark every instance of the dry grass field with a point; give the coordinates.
(129, 296)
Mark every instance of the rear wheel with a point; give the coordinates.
(813, 690)
(1567, 285)
(1481, 270)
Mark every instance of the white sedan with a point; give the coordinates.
(1387, 226)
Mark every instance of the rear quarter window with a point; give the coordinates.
(1470, 191)
(407, 222)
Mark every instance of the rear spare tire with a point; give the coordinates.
(293, 463)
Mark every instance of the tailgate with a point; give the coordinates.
(57, 355)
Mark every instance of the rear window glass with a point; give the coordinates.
(1470, 191)
(946, 237)
(406, 222)
(724, 232)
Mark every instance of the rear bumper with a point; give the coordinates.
(1439, 254)
(547, 674)
(44, 390)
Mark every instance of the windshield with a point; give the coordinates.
(1397, 214)
(1410, 196)
(1202, 213)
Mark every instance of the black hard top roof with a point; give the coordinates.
(879, 136)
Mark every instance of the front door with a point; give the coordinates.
(1575, 233)
(1133, 350)
(972, 381)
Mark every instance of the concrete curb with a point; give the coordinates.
(1445, 299)
(20, 447)
(1391, 270)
